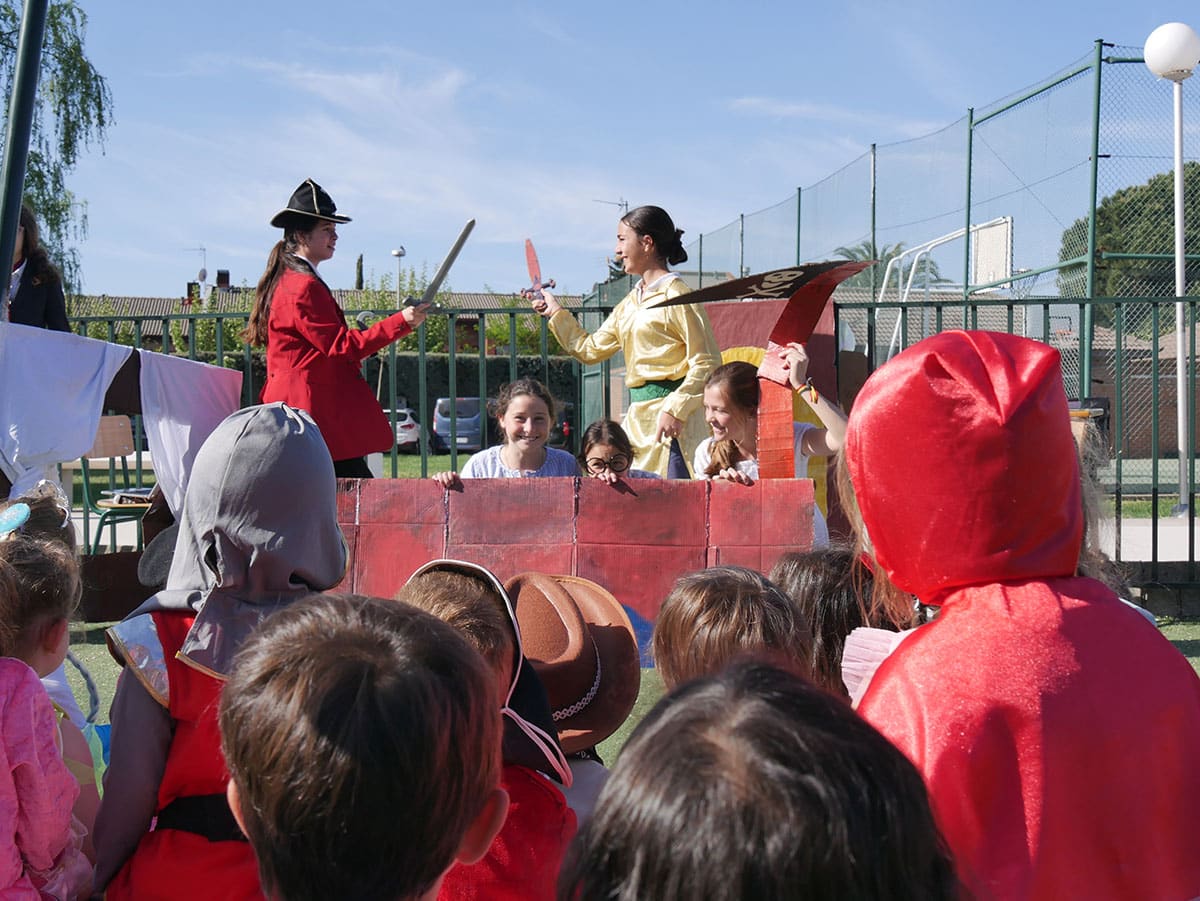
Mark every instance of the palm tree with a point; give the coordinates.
(926, 276)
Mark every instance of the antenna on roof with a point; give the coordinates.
(622, 203)
(202, 275)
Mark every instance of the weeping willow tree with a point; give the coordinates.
(72, 112)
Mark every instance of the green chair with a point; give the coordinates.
(113, 447)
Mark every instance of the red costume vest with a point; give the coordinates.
(173, 863)
(523, 862)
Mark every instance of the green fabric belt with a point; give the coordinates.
(652, 390)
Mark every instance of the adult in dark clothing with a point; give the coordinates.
(35, 293)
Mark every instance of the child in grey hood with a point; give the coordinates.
(258, 532)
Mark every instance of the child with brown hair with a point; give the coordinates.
(363, 744)
(607, 453)
(754, 783)
(525, 414)
(731, 396)
(833, 589)
(40, 841)
(524, 860)
(714, 615)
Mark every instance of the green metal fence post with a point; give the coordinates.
(799, 199)
(967, 204)
(1085, 327)
(741, 245)
(874, 249)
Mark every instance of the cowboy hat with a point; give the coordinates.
(581, 643)
(308, 201)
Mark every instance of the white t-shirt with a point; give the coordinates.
(750, 468)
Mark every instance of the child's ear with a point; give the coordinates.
(54, 635)
(235, 804)
(483, 828)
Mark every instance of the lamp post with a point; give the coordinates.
(1172, 51)
(398, 253)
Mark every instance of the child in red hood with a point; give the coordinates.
(1026, 700)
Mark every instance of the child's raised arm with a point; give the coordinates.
(816, 442)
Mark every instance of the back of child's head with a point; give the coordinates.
(519, 388)
(49, 514)
(738, 383)
(753, 783)
(39, 584)
(362, 739)
(605, 431)
(714, 615)
(473, 607)
(833, 589)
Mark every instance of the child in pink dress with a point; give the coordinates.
(39, 846)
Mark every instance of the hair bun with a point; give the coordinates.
(677, 254)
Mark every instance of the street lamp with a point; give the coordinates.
(398, 253)
(1172, 51)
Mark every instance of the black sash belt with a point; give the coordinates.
(206, 815)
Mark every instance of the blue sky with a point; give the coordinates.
(416, 117)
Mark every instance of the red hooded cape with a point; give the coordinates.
(1057, 730)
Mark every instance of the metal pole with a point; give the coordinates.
(1086, 325)
(874, 247)
(20, 124)
(967, 204)
(742, 273)
(1181, 360)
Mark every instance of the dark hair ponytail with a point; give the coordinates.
(656, 222)
(280, 258)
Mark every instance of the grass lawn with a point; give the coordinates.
(87, 643)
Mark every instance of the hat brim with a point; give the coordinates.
(282, 218)
(527, 696)
(616, 644)
(155, 563)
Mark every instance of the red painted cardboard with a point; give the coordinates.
(388, 553)
(512, 511)
(639, 576)
(507, 560)
(642, 512)
(421, 501)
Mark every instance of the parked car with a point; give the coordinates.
(468, 422)
(564, 433)
(408, 430)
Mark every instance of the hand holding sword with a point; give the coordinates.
(419, 309)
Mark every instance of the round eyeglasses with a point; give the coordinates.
(615, 463)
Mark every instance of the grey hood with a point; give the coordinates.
(258, 530)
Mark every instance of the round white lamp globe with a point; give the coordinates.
(1172, 51)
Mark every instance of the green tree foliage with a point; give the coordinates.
(927, 274)
(73, 111)
(1136, 219)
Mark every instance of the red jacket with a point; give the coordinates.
(1057, 730)
(525, 857)
(171, 863)
(313, 363)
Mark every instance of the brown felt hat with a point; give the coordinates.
(581, 643)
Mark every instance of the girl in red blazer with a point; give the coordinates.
(313, 359)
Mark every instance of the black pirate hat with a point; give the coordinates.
(308, 201)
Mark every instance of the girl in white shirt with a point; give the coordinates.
(731, 410)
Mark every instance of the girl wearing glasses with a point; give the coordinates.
(608, 454)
